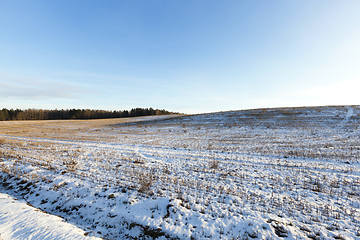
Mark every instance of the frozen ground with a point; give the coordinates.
(290, 173)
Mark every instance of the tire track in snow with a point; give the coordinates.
(350, 113)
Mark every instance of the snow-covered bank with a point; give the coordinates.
(18, 220)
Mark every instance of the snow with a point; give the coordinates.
(288, 173)
(350, 112)
(18, 220)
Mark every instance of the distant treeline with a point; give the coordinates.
(39, 114)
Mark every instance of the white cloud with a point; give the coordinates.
(36, 88)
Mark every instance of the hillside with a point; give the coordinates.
(285, 173)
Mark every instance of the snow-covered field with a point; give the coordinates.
(290, 173)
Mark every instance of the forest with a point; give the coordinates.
(40, 114)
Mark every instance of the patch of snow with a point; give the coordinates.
(349, 114)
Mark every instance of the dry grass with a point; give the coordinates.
(67, 129)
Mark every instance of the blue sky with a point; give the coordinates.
(186, 56)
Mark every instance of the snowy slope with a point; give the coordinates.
(18, 220)
(288, 173)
